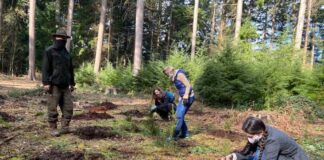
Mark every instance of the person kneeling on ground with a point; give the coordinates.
(164, 102)
(267, 143)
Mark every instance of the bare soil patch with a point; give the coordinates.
(6, 117)
(133, 113)
(55, 154)
(92, 116)
(95, 132)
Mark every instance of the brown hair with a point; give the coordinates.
(254, 125)
(160, 90)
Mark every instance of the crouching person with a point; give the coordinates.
(267, 143)
(164, 102)
(58, 80)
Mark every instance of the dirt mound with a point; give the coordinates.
(6, 117)
(2, 134)
(185, 143)
(233, 136)
(108, 105)
(133, 113)
(95, 132)
(55, 154)
(2, 97)
(92, 116)
(95, 156)
(101, 107)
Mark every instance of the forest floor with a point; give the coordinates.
(118, 127)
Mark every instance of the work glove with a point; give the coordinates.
(153, 108)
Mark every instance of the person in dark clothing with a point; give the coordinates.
(267, 143)
(58, 81)
(164, 102)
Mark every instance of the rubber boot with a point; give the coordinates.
(53, 129)
(65, 127)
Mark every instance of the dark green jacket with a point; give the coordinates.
(57, 68)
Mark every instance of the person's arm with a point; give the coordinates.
(46, 69)
(181, 77)
(72, 83)
(271, 150)
(163, 104)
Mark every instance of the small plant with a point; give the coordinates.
(202, 149)
(151, 128)
(39, 114)
(125, 126)
(85, 76)
(227, 125)
(314, 147)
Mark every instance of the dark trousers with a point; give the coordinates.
(63, 97)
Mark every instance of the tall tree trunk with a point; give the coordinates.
(194, 30)
(57, 13)
(152, 50)
(138, 36)
(152, 44)
(265, 26)
(14, 50)
(1, 51)
(158, 27)
(300, 24)
(212, 28)
(313, 52)
(31, 31)
(100, 35)
(69, 24)
(273, 27)
(221, 27)
(238, 19)
(309, 12)
(169, 30)
(110, 19)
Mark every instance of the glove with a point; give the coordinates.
(153, 108)
(185, 101)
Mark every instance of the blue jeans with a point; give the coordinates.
(181, 129)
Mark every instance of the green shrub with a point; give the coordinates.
(226, 80)
(151, 76)
(280, 74)
(119, 77)
(310, 109)
(85, 75)
(108, 75)
(313, 87)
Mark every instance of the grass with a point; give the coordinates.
(144, 136)
(4, 124)
(16, 93)
(314, 147)
(202, 150)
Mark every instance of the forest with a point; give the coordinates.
(260, 58)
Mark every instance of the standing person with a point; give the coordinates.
(267, 143)
(58, 80)
(164, 102)
(186, 98)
